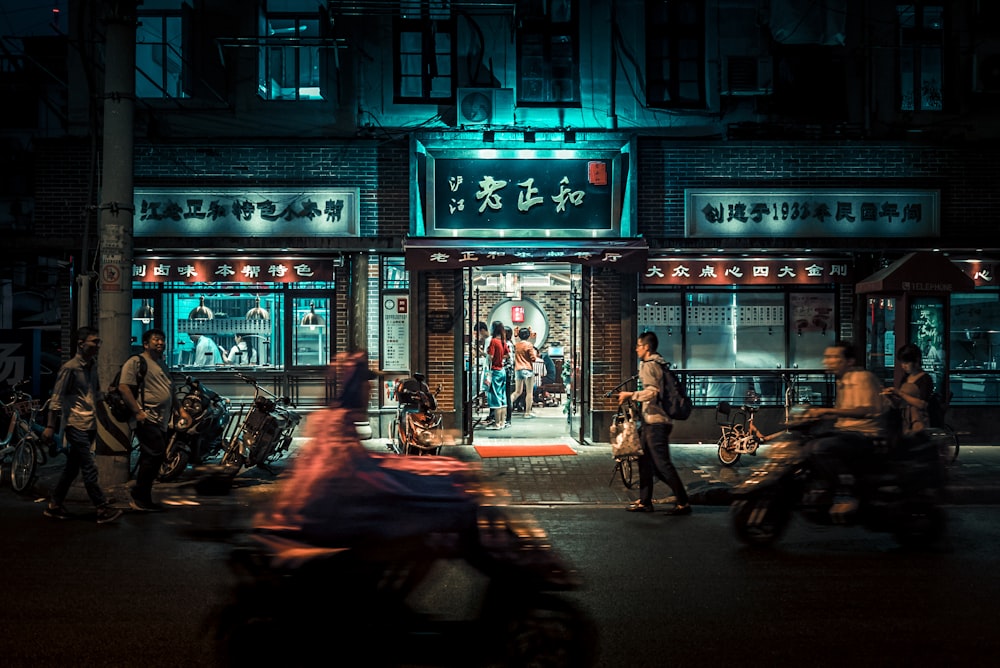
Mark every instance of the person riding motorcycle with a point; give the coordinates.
(860, 412)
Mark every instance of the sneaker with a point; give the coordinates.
(58, 512)
(506, 425)
(494, 427)
(529, 416)
(106, 514)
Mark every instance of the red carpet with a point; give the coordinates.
(523, 450)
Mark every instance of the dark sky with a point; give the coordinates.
(30, 17)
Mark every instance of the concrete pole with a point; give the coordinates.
(116, 215)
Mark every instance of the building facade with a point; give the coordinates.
(328, 176)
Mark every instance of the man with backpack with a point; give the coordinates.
(654, 434)
(148, 390)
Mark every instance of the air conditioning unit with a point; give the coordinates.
(485, 106)
(747, 75)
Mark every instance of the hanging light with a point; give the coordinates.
(312, 318)
(201, 312)
(144, 312)
(258, 313)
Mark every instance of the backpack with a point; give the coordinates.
(675, 402)
(936, 409)
(117, 406)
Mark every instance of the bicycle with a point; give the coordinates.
(740, 435)
(21, 447)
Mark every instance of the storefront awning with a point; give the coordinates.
(918, 272)
(424, 253)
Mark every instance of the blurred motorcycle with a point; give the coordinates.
(899, 489)
(404, 557)
(196, 427)
(262, 432)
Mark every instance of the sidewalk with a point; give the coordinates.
(589, 478)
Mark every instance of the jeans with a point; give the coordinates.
(152, 452)
(79, 458)
(837, 457)
(655, 463)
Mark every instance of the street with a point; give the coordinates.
(663, 591)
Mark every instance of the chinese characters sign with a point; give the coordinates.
(742, 271)
(623, 255)
(529, 197)
(247, 270)
(271, 213)
(811, 213)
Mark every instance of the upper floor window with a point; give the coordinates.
(424, 44)
(291, 51)
(160, 70)
(548, 53)
(921, 48)
(675, 54)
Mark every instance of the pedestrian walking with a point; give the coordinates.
(654, 434)
(524, 371)
(74, 404)
(150, 395)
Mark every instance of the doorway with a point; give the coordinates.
(545, 298)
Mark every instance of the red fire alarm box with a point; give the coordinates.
(517, 314)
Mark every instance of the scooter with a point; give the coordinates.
(900, 489)
(407, 560)
(195, 431)
(261, 433)
(417, 429)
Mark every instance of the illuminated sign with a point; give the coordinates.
(811, 213)
(299, 212)
(229, 270)
(696, 271)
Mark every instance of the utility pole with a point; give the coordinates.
(116, 214)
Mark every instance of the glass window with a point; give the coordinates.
(880, 337)
(159, 54)
(291, 52)
(975, 347)
(425, 53)
(813, 328)
(660, 313)
(311, 332)
(675, 54)
(548, 53)
(921, 71)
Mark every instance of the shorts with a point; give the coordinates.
(524, 374)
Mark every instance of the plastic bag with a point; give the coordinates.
(625, 431)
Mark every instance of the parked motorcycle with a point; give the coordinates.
(417, 428)
(260, 433)
(899, 488)
(196, 427)
(404, 558)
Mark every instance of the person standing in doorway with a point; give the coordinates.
(74, 404)
(151, 401)
(654, 434)
(524, 371)
(496, 391)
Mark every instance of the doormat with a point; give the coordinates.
(486, 451)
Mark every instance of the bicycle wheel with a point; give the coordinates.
(727, 456)
(624, 467)
(23, 468)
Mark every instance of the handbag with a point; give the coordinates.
(625, 431)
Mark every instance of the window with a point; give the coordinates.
(548, 53)
(675, 54)
(921, 45)
(159, 53)
(425, 53)
(291, 51)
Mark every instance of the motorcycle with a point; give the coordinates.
(412, 563)
(261, 433)
(417, 429)
(194, 434)
(899, 488)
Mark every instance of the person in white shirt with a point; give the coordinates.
(206, 351)
(242, 352)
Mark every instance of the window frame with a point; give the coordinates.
(915, 42)
(536, 27)
(429, 28)
(164, 17)
(665, 38)
(293, 46)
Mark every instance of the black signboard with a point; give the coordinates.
(440, 322)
